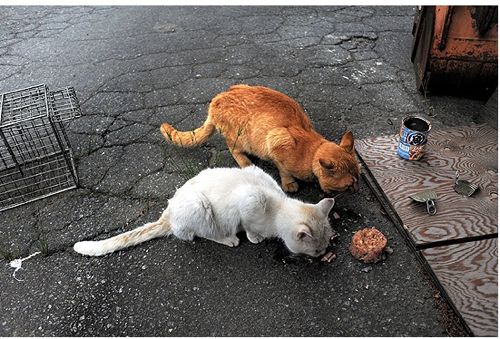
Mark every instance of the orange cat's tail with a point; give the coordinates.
(188, 138)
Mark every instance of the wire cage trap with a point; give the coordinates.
(35, 155)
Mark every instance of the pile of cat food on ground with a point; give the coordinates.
(368, 244)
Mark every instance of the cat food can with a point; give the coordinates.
(413, 137)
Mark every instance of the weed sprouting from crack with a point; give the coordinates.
(169, 135)
(43, 245)
(7, 253)
(180, 164)
(146, 208)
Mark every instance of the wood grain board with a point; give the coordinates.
(460, 243)
(468, 272)
(472, 150)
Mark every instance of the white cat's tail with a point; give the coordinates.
(141, 234)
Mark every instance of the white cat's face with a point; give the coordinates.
(311, 236)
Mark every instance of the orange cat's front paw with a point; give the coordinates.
(290, 187)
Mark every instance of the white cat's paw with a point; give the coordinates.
(254, 238)
(231, 241)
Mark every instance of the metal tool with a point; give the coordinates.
(427, 196)
(464, 187)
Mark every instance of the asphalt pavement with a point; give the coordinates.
(135, 67)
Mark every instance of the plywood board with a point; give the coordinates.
(473, 150)
(468, 273)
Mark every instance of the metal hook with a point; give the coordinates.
(431, 207)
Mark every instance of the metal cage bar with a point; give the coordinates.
(35, 154)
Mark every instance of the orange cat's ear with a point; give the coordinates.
(347, 141)
(327, 164)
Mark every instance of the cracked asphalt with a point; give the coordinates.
(135, 67)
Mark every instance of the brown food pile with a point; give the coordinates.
(368, 245)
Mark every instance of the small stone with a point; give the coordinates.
(336, 215)
(389, 250)
(366, 269)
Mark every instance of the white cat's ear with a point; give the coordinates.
(326, 205)
(302, 232)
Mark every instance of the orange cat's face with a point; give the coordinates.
(336, 167)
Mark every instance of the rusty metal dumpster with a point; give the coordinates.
(455, 49)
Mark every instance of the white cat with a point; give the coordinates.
(219, 202)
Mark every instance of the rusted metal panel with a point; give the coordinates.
(460, 38)
(462, 54)
(483, 17)
(422, 30)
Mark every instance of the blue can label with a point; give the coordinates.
(412, 141)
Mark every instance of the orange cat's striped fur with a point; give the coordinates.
(272, 126)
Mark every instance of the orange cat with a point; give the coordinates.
(272, 126)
